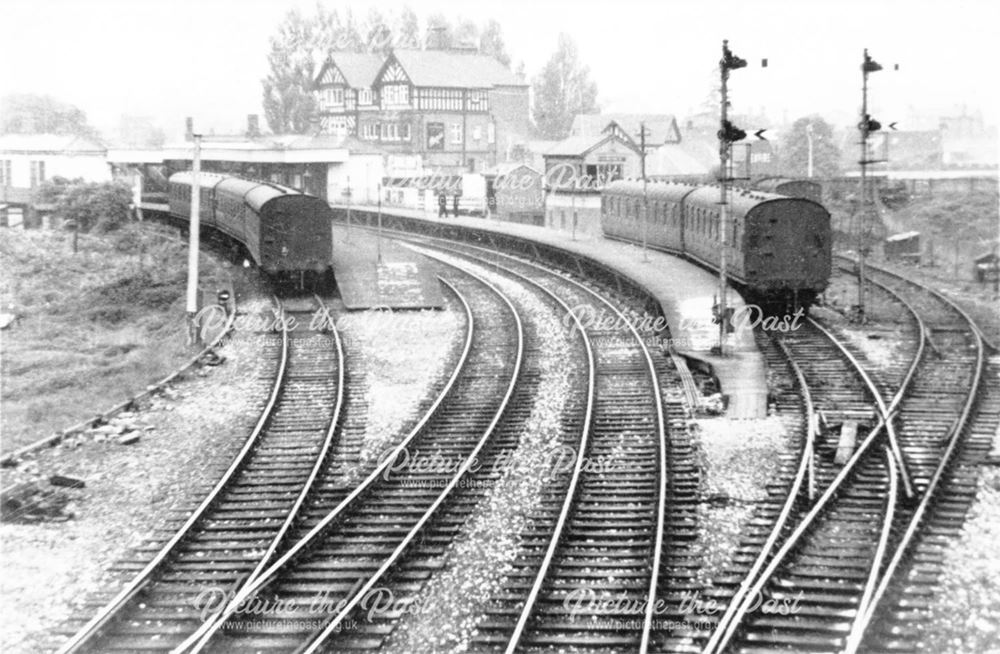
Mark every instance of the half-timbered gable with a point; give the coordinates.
(447, 106)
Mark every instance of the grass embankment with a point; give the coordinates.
(93, 327)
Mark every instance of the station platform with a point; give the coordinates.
(685, 292)
(401, 280)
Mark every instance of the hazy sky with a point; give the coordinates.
(170, 59)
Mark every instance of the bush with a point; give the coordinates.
(99, 207)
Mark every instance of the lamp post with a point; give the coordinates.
(378, 239)
(645, 188)
(347, 194)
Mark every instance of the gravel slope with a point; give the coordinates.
(49, 569)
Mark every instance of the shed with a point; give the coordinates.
(903, 247)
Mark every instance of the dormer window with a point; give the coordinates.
(365, 96)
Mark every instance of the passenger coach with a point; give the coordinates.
(285, 232)
(778, 250)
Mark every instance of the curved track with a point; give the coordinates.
(818, 591)
(245, 518)
(337, 564)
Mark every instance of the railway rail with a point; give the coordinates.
(834, 564)
(344, 555)
(560, 589)
(245, 518)
(602, 534)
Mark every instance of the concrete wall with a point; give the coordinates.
(365, 172)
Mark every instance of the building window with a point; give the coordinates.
(491, 133)
(331, 97)
(456, 133)
(5, 173)
(477, 101)
(395, 94)
(404, 131)
(37, 172)
(365, 96)
(477, 133)
(440, 99)
(369, 131)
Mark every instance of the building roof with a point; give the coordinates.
(359, 69)
(662, 128)
(905, 236)
(50, 143)
(455, 69)
(577, 146)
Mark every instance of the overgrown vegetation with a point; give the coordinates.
(92, 327)
(88, 206)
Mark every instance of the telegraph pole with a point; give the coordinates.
(866, 126)
(728, 133)
(194, 337)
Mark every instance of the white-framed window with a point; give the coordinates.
(456, 133)
(477, 133)
(390, 132)
(338, 126)
(491, 133)
(395, 94)
(365, 96)
(404, 131)
(37, 172)
(369, 131)
(331, 97)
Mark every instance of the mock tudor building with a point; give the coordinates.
(459, 111)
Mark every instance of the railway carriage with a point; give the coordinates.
(778, 250)
(286, 233)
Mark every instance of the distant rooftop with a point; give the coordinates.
(661, 128)
(49, 143)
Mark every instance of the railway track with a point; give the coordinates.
(594, 567)
(600, 537)
(339, 561)
(955, 414)
(838, 552)
(245, 518)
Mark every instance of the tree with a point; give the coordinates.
(29, 113)
(563, 90)
(491, 42)
(794, 152)
(407, 32)
(466, 33)
(288, 99)
(378, 35)
(100, 207)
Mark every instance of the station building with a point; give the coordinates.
(28, 160)
(458, 110)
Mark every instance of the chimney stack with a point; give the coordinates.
(253, 126)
